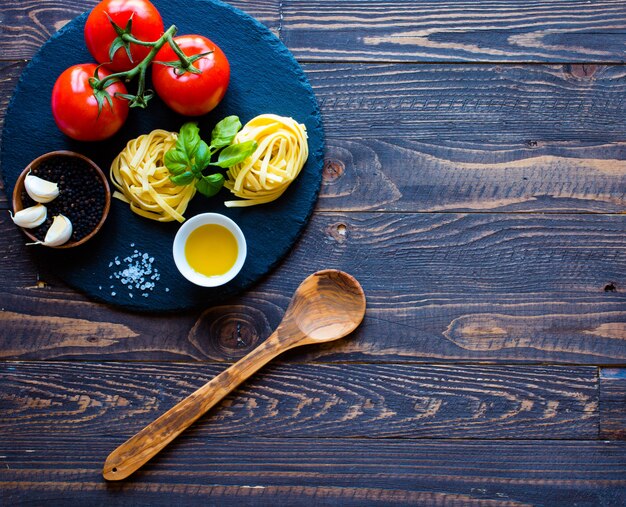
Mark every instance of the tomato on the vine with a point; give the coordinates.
(145, 25)
(189, 93)
(76, 110)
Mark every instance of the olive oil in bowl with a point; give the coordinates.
(209, 249)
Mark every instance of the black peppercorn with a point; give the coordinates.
(81, 195)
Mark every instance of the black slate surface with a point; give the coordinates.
(265, 78)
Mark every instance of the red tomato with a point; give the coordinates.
(75, 108)
(147, 26)
(192, 94)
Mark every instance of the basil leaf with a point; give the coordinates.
(203, 157)
(235, 153)
(210, 185)
(225, 131)
(183, 179)
(176, 161)
(188, 139)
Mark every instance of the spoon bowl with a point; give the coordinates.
(327, 306)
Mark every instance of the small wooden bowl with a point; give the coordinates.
(19, 188)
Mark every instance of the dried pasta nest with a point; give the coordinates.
(282, 152)
(143, 181)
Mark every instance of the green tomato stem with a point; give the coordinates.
(185, 62)
(140, 99)
(129, 38)
(140, 69)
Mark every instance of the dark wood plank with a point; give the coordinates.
(440, 287)
(9, 74)
(518, 104)
(18, 493)
(613, 403)
(455, 30)
(312, 400)
(27, 25)
(395, 174)
(321, 471)
(398, 174)
(409, 31)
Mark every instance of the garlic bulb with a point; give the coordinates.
(60, 231)
(40, 190)
(32, 217)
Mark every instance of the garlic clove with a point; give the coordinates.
(40, 190)
(32, 217)
(60, 231)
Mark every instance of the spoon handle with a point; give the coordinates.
(137, 450)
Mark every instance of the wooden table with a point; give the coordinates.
(474, 184)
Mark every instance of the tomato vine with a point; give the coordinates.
(142, 95)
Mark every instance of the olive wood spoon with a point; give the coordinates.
(327, 305)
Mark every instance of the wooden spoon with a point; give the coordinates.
(327, 306)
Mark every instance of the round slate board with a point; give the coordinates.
(265, 78)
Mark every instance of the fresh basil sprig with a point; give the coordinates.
(191, 156)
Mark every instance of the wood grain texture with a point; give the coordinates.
(27, 25)
(346, 471)
(395, 174)
(326, 306)
(518, 105)
(406, 31)
(353, 423)
(9, 75)
(442, 287)
(472, 102)
(613, 403)
(455, 31)
(531, 172)
(61, 399)
(240, 496)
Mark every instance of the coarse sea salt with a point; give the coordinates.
(136, 271)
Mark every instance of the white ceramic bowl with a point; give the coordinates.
(181, 239)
